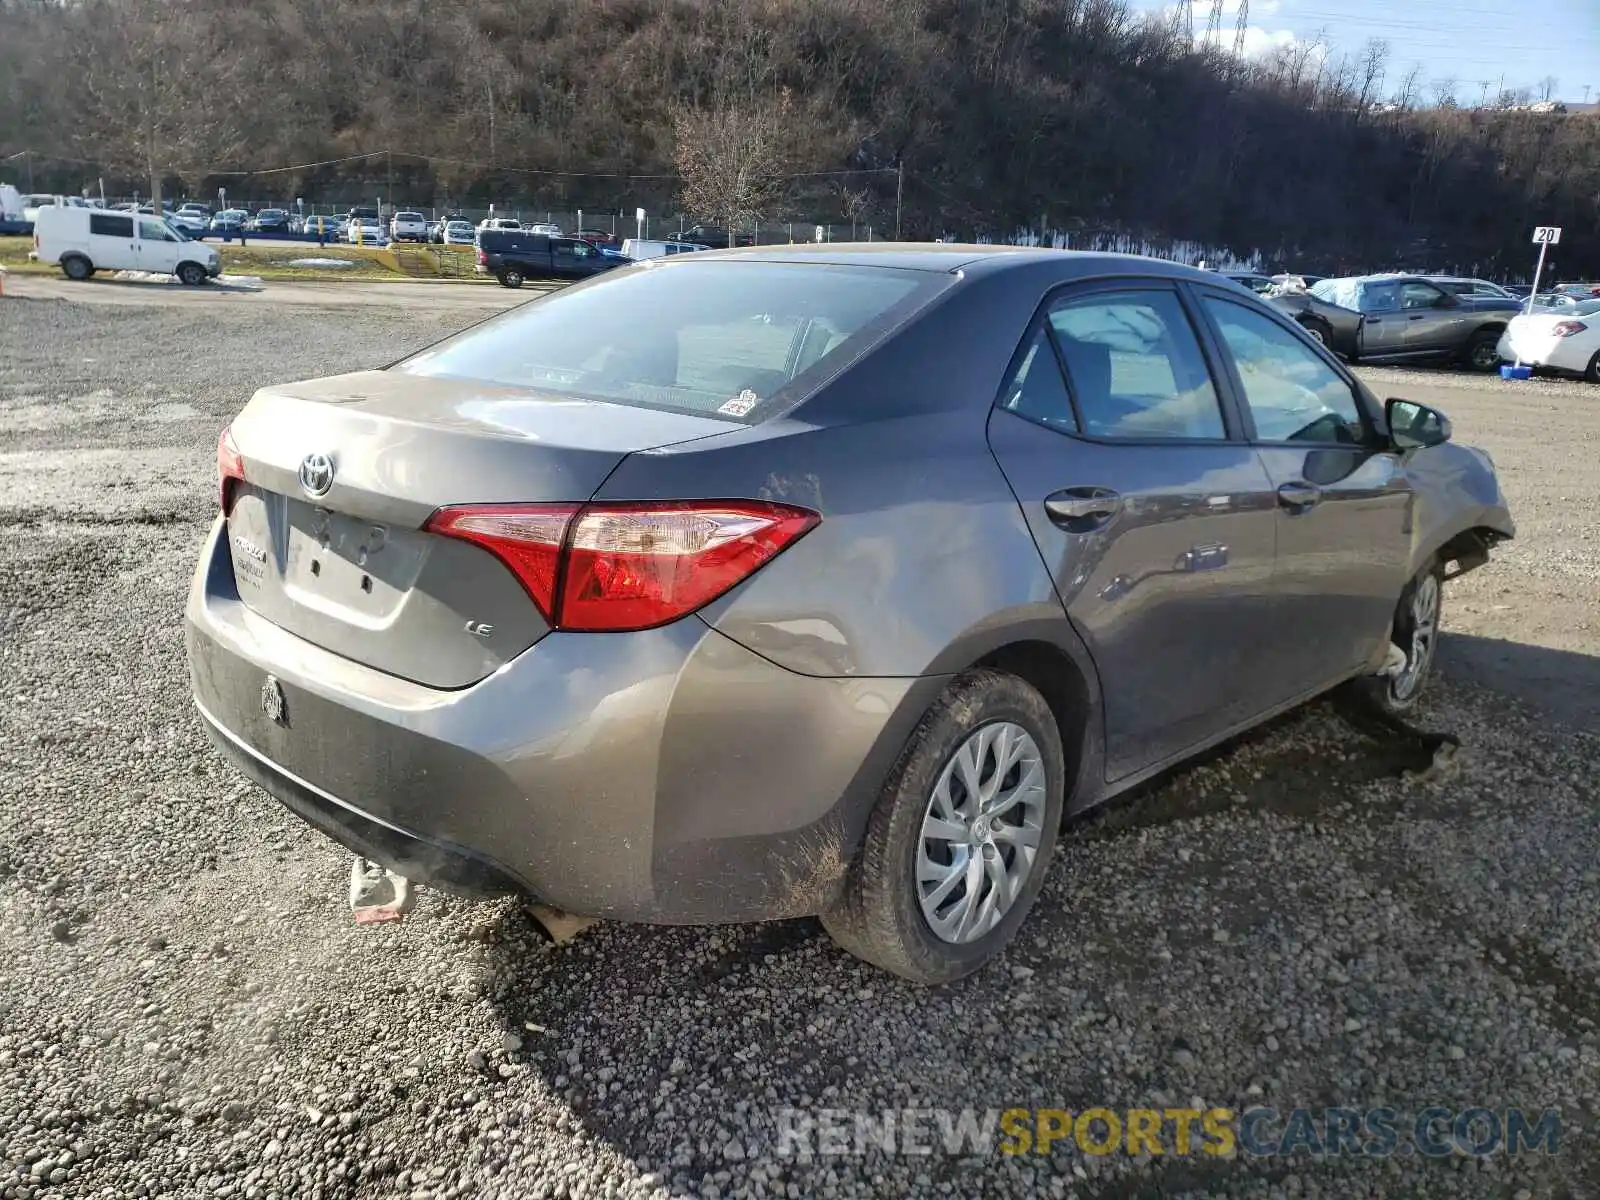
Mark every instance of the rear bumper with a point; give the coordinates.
(665, 776)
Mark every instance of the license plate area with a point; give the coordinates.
(360, 570)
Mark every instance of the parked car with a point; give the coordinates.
(639, 248)
(229, 221)
(409, 227)
(1555, 300)
(1254, 280)
(270, 220)
(457, 233)
(82, 241)
(715, 237)
(365, 231)
(646, 598)
(1584, 291)
(1290, 276)
(515, 255)
(194, 221)
(1408, 318)
(1458, 286)
(331, 228)
(1336, 327)
(499, 223)
(1565, 340)
(545, 228)
(598, 237)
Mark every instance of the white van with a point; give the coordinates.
(637, 248)
(85, 240)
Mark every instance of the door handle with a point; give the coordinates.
(1299, 497)
(1083, 509)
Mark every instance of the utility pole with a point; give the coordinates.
(1587, 88)
(389, 156)
(899, 193)
(28, 157)
(1484, 102)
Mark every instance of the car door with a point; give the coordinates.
(158, 246)
(1156, 521)
(1383, 327)
(1435, 321)
(1344, 501)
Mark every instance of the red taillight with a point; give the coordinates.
(1568, 328)
(615, 567)
(526, 537)
(230, 467)
(483, 259)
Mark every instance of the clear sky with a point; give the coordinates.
(1471, 41)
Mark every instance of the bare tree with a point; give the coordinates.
(1410, 89)
(1370, 70)
(151, 98)
(733, 157)
(1444, 91)
(1548, 87)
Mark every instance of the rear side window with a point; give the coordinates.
(1037, 390)
(713, 338)
(105, 225)
(1135, 366)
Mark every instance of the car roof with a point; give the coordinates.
(947, 258)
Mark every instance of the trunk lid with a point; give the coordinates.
(350, 568)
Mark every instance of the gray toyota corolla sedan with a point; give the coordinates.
(824, 580)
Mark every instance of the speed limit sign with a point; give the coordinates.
(1547, 235)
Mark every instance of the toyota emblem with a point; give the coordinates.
(316, 474)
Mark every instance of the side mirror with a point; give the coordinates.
(1413, 426)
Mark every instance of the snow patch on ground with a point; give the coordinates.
(252, 283)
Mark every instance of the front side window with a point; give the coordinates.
(1293, 395)
(717, 339)
(151, 230)
(1136, 368)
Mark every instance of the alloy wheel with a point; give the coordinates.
(981, 832)
(1424, 636)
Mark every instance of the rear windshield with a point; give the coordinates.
(737, 340)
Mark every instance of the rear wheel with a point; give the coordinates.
(1318, 329)
(191, 274)
(957, 848)
(1483, 351)
(1592, 374)
(1416, 635)
(511, 278)
(77, 267)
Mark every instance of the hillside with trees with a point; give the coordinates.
(972, 117)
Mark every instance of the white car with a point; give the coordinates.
(545, 228)
(499, 223)
(82, 241)
(193, 220)
(458, 233)
(409, 227)
(1565, 340)
(365, 231)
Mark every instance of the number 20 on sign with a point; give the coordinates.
(1547, 235)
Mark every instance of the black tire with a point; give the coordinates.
(1592, 373)
(190, 274)
(879, 916)
(1483, 351)
(1318, 329)
(77, 268)
(511, 278)
(1397, 695)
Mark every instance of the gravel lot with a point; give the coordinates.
(186, 1008)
